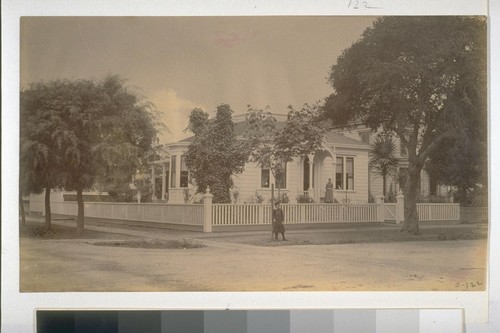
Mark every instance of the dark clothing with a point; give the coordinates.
(278, 218)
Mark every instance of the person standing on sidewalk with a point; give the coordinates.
(278, 218)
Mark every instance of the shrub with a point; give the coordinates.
(304, 198)
(257, 199)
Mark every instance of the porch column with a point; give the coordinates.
(153, 181)
(175, 193)
(164, 182)
(334, 169)
(178, 168)
(311, 165)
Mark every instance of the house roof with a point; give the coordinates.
(337, 139)
(331, 138)
(239, 129)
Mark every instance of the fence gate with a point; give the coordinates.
(390, 212)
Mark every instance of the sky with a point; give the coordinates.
(180, 63)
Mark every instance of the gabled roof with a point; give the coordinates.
(332, 138)
(336, 139)
(239, 129)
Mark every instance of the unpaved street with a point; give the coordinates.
(79, 265)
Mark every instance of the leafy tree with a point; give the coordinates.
(115, 130)
(100, 135)
(272, 144)
(302, 134)
(461, 163)
(215, 154)
(383, 161)
(420, 78)
(261, 129)
(44, 139)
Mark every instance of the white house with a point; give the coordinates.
(342, 158)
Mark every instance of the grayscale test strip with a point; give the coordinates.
(253, 321)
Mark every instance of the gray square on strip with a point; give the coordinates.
(182, 321)
(139, 321)
(398, 320)
(354, 320)
(225, 321)
(441, 320)
(268, 321)
(311, 321)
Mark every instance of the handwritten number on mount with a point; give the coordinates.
(357, 4)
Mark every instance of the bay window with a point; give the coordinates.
(344, 173)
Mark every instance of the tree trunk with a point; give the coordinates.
(80, 217)
(23, 213)
(48, 215)
(410, 223)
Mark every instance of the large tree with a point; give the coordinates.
(215, 153)
(44, 139)
(420, 78)
(100, 135)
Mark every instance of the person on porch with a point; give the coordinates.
(278, 217)
(329, 191)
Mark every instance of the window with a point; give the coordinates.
(339, 173)
(265, 178)
(184, 172)
(279, 179)
(349, 163)
(173, 172)
(344, 176)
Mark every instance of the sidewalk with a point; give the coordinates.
(332, 235)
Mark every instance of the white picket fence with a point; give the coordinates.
(474, 214)
(147, 212)
(438, 211)
(220, 215)
(251, 214)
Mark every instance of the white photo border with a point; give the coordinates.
(18, 308)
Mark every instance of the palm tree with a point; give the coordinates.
(383, 161)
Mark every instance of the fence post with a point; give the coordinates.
(380, 208)
(207, 206)
(400, 207)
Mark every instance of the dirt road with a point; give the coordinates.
(79, 265)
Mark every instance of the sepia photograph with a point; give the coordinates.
(255, 153)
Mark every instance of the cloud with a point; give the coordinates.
(175, 114)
